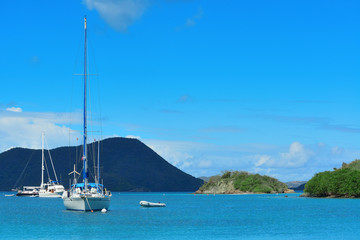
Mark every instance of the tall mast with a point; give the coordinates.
(98, 166)
(85, 169)
(42, 160)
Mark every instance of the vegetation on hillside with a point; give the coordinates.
(237, 182)
(343, 182)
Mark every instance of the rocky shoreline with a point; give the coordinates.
(308, 195)
(237, 192)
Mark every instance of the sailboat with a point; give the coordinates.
(86, 196)
(51, 189)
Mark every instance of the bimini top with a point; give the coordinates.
(92, 185)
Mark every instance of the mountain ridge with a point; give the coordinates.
(126, 165)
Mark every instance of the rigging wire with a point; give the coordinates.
(52, 164)
(23, 171)
(92, 108)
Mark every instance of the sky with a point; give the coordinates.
(269, 87)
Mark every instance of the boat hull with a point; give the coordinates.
(86, 203)
(151, 204)
(50, 195)
(22, 194)
(52, 191)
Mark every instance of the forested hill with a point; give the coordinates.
(343, 182)
(126, 165)
(242, 182)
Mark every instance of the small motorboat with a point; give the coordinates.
(28, 191)
(151, 204)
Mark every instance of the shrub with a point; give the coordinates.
(226, 174)
(341, 182)
(262, 189)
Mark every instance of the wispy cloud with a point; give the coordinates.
(294, 119)
(34, 60)
(185, 98)
(191, 21)
(293, 162)
(170, 111)
(222, 129)
(14, 109)
(119, 14)
(340, 128)
(321, 123)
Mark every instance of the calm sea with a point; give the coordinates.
(186, 216)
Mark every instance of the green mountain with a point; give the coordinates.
(242, 182)
(343, 182)
(126, 165)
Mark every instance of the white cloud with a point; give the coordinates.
(177, 153)
(186, 164)
(14, 109)
(133, 137)
(297, 155)
(119, 14)
(24, 130)
(204, 164)
(263, 159)
(337, 150)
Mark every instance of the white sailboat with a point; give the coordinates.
(51, 189)
(86, 196)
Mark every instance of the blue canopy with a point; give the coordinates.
(56, 181)
(92, 185)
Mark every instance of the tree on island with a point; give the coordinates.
(343, 182)
(242, 182)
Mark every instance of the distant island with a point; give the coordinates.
(296, 185)
(236, 182)
(342, 182)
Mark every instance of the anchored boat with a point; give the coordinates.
(51, 189)
(28, 191)
(86, 196)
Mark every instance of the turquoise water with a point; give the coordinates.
(186, 216)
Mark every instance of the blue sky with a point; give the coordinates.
(262, 86)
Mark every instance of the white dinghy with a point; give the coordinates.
(151, 204)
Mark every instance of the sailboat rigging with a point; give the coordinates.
(51, 189)
(86, 196)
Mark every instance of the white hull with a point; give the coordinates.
(86, 203)
(49, 190)
(151, 204)
(50, 195)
